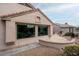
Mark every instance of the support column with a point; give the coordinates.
(10, 32)
(36, 30)
(50, 30)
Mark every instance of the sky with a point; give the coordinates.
(60, 12)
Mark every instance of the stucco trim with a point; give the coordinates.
(25, 12)
(28, 4)
(18, 14)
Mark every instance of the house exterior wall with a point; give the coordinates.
(56, 29)
(2, 33)
(8, 30)
(75, 31)
(32, 18)
(9, 8)
(64, 30)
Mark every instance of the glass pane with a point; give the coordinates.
(42, 30)
(24, 31)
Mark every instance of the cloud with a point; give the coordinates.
(37, 5)
(70, 21)
(76, 15)
(60, 8)
(61, 13)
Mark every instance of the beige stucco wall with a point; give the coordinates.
(75, 31)
(10, 35)
(65, 30)
(56, 29)
(9, 8)
(31, 18)
(8, 30)
(2, 33)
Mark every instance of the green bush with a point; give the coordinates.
(76, 35)
(70, 34)
(71, 50)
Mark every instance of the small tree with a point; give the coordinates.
(70, 34)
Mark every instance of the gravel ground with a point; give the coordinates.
(41, 51)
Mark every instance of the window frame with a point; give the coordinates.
(43, 34)
(26, 25)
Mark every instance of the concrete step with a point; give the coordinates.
(12, 52)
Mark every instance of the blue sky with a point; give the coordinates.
(61, 12)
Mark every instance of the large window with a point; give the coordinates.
(25, 30)
(42, 30)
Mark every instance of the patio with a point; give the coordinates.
(41, 51)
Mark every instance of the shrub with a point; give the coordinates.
(76, 35)
(70, 34)
(71, 50)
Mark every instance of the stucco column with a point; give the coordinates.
(10, 32)
(36, 30)
(50, 30)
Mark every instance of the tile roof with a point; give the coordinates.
(64, 25)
